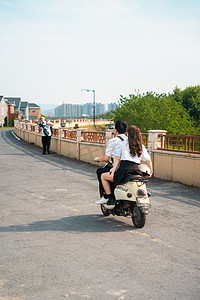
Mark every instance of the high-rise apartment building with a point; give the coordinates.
(67, 110)
(87, 109)
(60, 111)
(112, 106)
(77, 110)
(99, 108)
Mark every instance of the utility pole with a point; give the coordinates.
(93, 108)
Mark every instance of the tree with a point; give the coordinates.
(44, 117)
(5, 122)
(108, 115)
(8, 122)
(190, 100)
(153, 111)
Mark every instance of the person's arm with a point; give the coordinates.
(149, 164)
(108, 153)
(117, 153)
(147, 159)
(49, 123)
(102, 158)
(116, 163)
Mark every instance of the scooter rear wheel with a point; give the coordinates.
(138, 218)
(104, 210)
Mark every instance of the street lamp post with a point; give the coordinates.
(93, 103)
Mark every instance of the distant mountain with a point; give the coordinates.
(47, 106)
(48, 109)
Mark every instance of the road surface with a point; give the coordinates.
(56, 244)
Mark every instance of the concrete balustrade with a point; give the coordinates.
(173, 166)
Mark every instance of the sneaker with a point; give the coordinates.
(111, 201)
(101, 201)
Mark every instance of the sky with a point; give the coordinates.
(51, 49)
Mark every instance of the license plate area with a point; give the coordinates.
(142, 201)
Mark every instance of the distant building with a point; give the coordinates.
(77, 110)
(34, 111)
(15, 103)
(68, 110)
(87, 109)
(99, 108)
(112, 106)
(60, 111)
(22, 109)
(3, 110)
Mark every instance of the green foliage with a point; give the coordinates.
(11, 122)
(152, 111)
(44, 117)
(5, 122)
(190, 99)
(108, 115)
(8, 122)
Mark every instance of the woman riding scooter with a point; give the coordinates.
(129, 154)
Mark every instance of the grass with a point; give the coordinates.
(6, 127)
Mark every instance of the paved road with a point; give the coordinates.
(56, 244)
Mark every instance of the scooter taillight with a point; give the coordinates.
(141, 193)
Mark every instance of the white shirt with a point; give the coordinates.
(112, 144)
(47, 127)
(122, 150)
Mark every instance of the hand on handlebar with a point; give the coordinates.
(96, 159)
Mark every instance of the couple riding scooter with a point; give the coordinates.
(129, 153)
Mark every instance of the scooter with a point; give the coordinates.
(132, 198)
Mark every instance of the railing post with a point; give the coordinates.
(154, 141)
(78, 140)
(108, 135)
(59, 140)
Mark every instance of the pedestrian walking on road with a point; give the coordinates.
(46, 134)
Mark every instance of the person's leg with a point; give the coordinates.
(105, 178)
(106, 181)
(48, 144)
(44, 145)
(99, 172)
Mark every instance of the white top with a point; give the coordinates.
(47, 127)
(112, 144)
(122, 150)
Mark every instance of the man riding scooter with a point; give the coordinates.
(129, 153)
(119, 131)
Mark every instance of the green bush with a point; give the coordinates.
(8, 122)
(152, 111)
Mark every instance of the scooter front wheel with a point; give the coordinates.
(105, 210)
(138, 217)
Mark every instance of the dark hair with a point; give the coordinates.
(121, 126)
(135, 140)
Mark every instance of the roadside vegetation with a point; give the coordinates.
(178, 112)
(8, 123)
(7, 127)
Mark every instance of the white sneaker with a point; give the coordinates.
(101, 201)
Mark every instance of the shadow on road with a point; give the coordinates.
(174, 191)
(73, 224)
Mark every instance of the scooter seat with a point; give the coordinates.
(136, 178)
